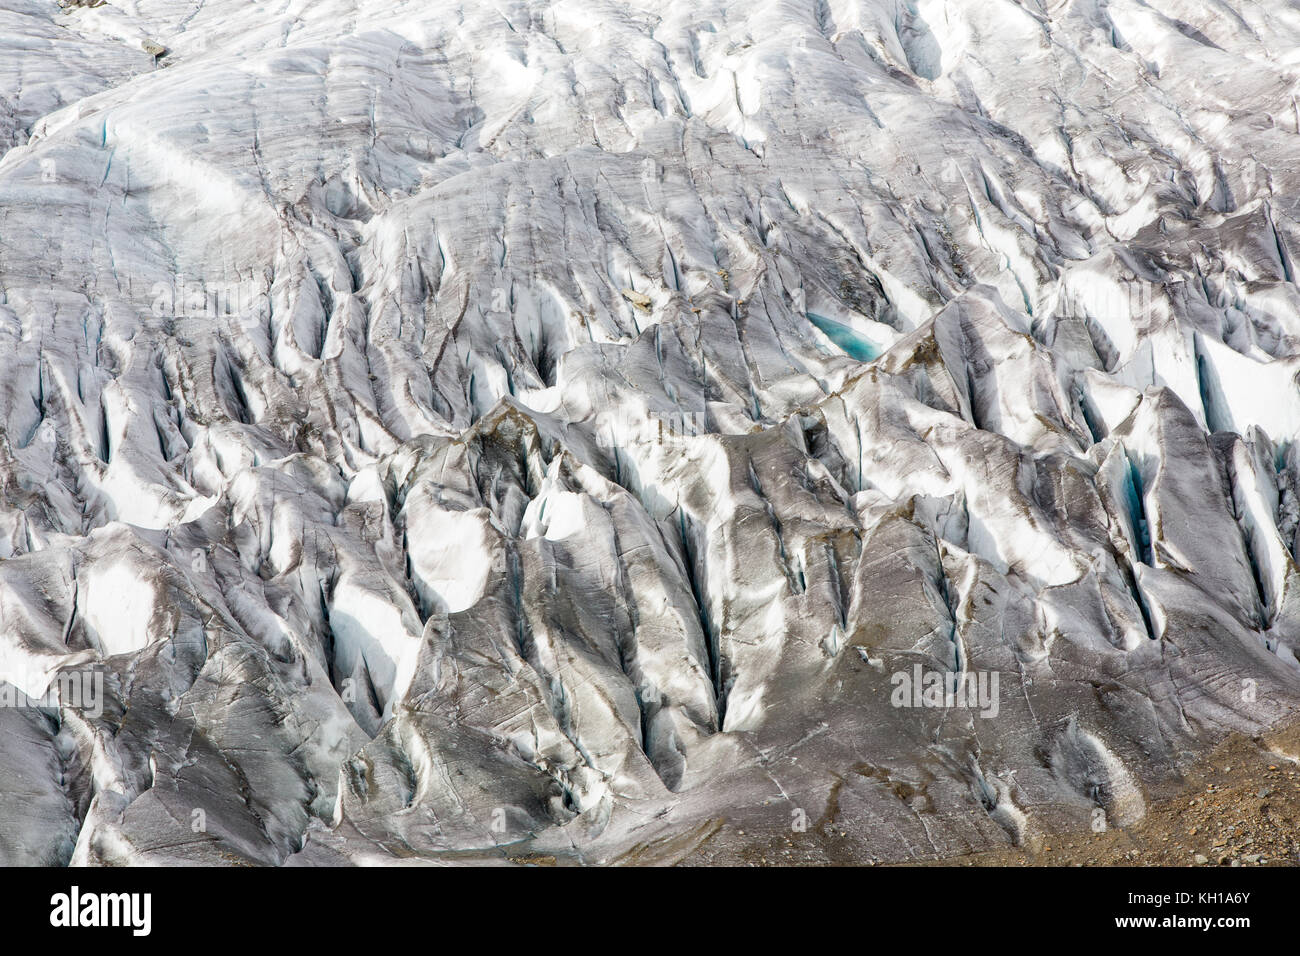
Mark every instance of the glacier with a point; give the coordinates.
(463, 432)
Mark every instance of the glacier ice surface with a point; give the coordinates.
(455, 431)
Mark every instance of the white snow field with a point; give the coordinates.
(460, 430)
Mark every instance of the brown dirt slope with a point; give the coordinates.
(1240, 806)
